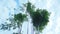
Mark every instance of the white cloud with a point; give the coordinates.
(57, 29)
(49, 4)
(51, 21)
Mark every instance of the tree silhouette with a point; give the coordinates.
(40, 18)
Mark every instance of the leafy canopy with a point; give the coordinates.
(39, 17)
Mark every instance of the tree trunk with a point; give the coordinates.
(28, 28)
(38, 29)
(19, 30)
(32, 31)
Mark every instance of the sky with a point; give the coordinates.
(53, 6)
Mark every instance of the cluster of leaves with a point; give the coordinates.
(15, 33)
(19, 18)
(15, 22)
(5, 26)
(39, 17)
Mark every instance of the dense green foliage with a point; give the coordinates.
(19, 18)
(39, 17)
(15, 22)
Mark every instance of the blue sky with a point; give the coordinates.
(53, 6)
